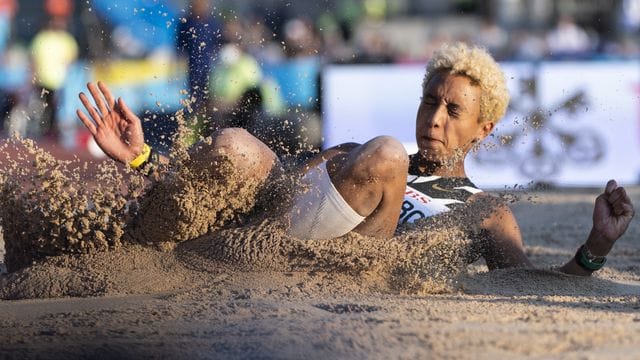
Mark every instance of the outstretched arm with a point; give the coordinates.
(612, 214)
(116, 129)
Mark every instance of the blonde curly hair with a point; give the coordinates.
(475, 63)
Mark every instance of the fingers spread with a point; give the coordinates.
(92, 110)
(107, 94)
(97, 97)
(128, 114)
(88, 123)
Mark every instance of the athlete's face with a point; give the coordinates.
(447, 123)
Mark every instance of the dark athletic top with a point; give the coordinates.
(430, 195)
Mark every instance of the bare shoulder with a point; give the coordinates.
(491, 208)
(487, 202)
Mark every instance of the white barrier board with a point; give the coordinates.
(568, 124)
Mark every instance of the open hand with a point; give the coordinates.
(612, 214)
(116, 129)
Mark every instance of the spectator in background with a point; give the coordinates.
(374, 49)
(349, 13)
(630, 15)
(375, 10)
(236, 73)
(300, 39)
(527, 46)
(333, 39)
(7, 12)
(53, 50)
(492, 37)
(270, 93)
(199, 40)
(258, 41)
(242, 93)
(568, 39)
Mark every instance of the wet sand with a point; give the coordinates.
(243, 294)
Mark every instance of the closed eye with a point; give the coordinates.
(429, 100)
(453, 110)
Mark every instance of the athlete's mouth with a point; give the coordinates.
(429, 139)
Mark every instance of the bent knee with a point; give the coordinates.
(223, 138)
(236, 142)
(233, 138)
(385, 154)
(239, 147)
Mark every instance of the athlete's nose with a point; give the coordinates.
(438, 116)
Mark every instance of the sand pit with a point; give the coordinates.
(245, 289)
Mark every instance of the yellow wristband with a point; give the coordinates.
(142, 158)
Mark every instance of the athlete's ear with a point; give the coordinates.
(485, 129)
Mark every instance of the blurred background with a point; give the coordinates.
(303, 75)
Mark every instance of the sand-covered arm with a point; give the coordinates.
(502, 237)
(612, 214)
(504, 248)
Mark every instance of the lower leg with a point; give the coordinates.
(218, 183)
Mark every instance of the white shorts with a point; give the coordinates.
(320, 213)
